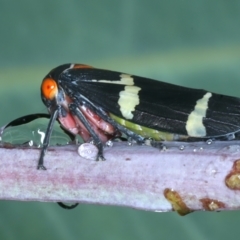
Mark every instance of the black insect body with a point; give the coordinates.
(100, 104)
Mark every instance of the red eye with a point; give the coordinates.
(49, 88)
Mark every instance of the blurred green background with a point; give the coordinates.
(195, 43)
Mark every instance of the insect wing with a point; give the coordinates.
(154, 104)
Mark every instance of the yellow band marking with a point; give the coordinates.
(125, 79)
(128, 100)
(194, 125)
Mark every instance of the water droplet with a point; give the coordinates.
(181, 147)
(231, 136)
(131, 141)
(209, 141)
(201, 148)
(91, 141)
(88, 151)
(109, 143)
(148, 142)
(164, 148)
(194, 150)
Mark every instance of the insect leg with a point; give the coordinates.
(76, 111)
(62, 205)
(47, 138)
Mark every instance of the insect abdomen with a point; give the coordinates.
(148, 132)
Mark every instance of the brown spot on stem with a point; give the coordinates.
(232, 180)
(211, 204)
(178, 204)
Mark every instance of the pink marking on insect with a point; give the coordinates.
(103, 129)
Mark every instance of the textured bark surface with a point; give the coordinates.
(193, 176)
